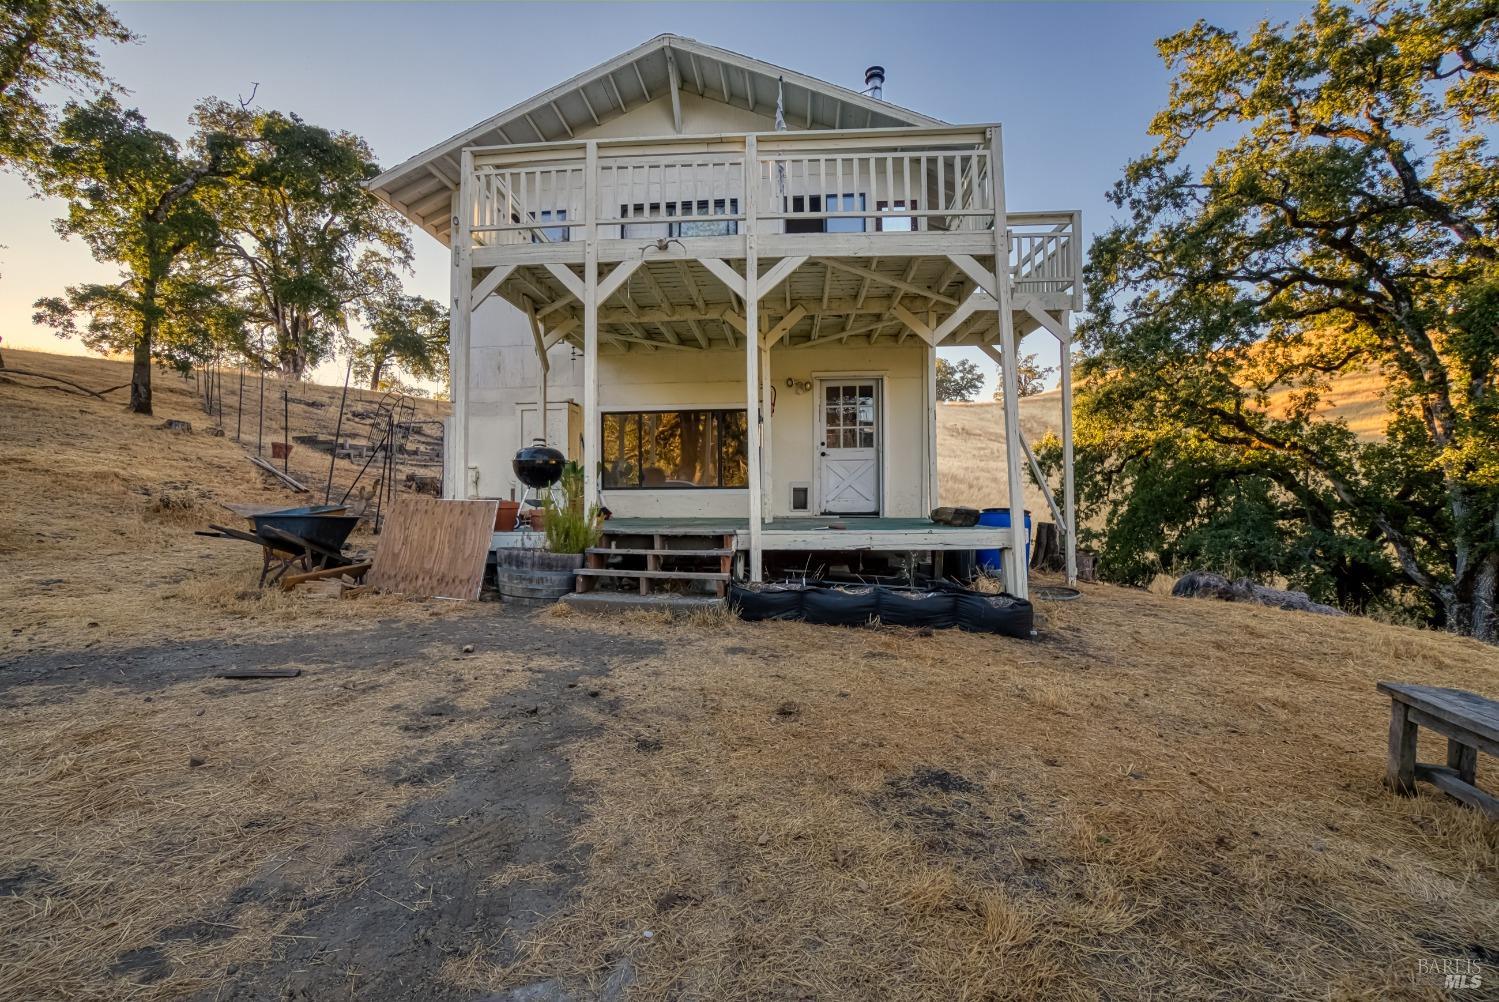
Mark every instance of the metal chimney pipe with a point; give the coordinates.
(874, 82)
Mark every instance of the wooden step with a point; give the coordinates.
(663, 552)
(614, 572)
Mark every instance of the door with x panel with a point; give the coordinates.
(849, 446)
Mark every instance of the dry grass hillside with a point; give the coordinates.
(970, 437)
(1154, 798)
(98, 508)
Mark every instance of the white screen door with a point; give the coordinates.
(848, 437)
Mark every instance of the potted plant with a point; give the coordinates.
(569, 529)
(547, 575)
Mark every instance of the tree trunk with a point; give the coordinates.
(140, 370)
(377, 368)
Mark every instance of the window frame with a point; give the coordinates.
(718, 435)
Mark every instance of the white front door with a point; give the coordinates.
(848, 439)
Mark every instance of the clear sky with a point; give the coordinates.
(1073, 83)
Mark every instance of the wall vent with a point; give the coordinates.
(801, 497)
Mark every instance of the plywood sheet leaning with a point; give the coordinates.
(432, 547)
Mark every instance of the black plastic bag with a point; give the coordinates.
(769, 602)
(1002, 614)
(840, 606)
(908, 607)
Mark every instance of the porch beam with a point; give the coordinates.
(544, 365)
(982, 277)
(720, 270)
(1017, 581)
(572, 283)
(559, 332)
(1049, 322)
(780, 330)
(456, 441)
(590, 299)
(616, 278)
(489, 283)
(779, 273)
(1069, 497)
(697, 332)
(750, 293)
(894, 283)
(1051, 501)
(676, 87)
(691, 285)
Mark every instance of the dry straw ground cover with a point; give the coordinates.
(1159, 798)
(97, 512)
(1162, 798)
(161, 846)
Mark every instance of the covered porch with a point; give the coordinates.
(823, 532)
(723, 253)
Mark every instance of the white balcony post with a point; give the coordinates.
(767, 471)
(591, 429)
(752, 352)
(461, 320)
(1067, 474)
(931, 497)
(1016, 582)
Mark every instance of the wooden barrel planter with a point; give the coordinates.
(535, 576)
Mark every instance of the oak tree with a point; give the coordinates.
(1348, 223)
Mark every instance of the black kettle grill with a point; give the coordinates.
(538, 465)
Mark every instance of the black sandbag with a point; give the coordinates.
(908, 607)
(768, 602)
(840, 606)
(1002, 614)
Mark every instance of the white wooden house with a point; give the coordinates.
(726, 320)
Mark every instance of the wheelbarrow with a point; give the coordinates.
(311, 537)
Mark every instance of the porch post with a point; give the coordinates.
(1067, 484)
(538, 335)
(461, 320)
(591, 430)
(768, 468)
(1016, 582)
(931, 497)
(752, 351)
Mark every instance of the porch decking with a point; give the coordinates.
(817, 533)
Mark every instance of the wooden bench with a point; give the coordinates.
(1470, 723)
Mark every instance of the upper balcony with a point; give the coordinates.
(888, 194)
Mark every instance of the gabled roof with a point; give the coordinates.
(420, 186)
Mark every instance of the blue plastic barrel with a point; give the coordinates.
(989, 559)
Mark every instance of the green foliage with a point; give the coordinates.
(1032, 376)
(1351, 225)
(958, 380)
(407, 332)
(568, 528)
(137, 200)
(45, 45)
(304, 246)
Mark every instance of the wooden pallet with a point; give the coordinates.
(597, 564)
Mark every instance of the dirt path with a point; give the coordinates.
(400, 901)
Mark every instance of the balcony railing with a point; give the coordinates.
(882, 182)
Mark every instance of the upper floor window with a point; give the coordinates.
(892, 219)
(550, 234)
(847, 202)
(656, 218)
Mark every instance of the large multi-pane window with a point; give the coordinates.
(655, 219)
(655, 450)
